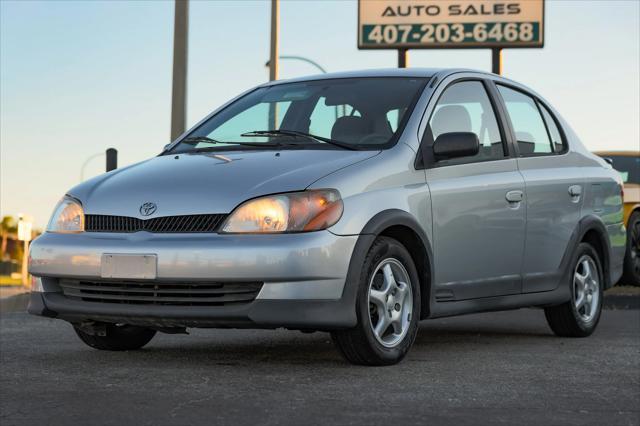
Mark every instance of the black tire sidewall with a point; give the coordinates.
(587, 327)
(385, 248)
(630, 277)
(117, 338)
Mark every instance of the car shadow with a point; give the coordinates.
(230, 348)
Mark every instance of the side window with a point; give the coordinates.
(465, 107)
(554, 132)
(530, 130)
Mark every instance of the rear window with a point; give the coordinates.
(530, 128)
(628, 166)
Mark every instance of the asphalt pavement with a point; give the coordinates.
(495, 368)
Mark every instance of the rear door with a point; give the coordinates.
(554, 189)
(477, 201)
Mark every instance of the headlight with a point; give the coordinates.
(293, 212)
(67, 217)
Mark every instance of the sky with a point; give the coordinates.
(79, 77)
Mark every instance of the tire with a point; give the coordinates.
(586, 282)
(631, 274)
(382, 294)
(118, 337)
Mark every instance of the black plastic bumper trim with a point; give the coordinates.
(295, 314)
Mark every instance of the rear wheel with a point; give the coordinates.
(117, 337)
(387, 307)
(631, 274)
(579, 317)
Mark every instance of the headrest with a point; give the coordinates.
(451, 118)
(350, 129)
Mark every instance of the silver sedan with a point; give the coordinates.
(357, 203)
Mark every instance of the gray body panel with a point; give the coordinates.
(207, 183)
(472, 220)
(552, 214)
(483, 252)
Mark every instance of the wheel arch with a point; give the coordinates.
(402, 226)
(593, 231)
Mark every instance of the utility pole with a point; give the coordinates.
(275, 29)
(496, 60)
(273, 59)
(403, 58)
(180, 46)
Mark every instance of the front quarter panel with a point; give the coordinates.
(386, 182)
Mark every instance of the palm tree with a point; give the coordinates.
(8, 227)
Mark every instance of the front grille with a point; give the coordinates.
(165, 224)
(160, 293)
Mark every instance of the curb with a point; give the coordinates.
(17, 303)
(621, 301)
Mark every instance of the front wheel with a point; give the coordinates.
(117, 337)
(579, 317)
(387, 307)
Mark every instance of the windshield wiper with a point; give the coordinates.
(193, 140)
(310, 136)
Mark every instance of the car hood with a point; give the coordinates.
(214, 182)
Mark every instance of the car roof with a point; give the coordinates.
(382, 72)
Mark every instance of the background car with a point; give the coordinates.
(628, 164)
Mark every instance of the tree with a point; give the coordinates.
(8, 227)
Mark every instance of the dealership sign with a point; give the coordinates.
(427, 24)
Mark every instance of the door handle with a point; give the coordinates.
(575, 190)
(514, 196)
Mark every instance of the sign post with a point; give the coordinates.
(25, 227)
(496, 60)
(403, 58)
(450, 24)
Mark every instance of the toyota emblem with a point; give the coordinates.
(147, 209)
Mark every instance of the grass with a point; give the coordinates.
(7, 280)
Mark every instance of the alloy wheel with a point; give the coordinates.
(586, 294)
(390, 302)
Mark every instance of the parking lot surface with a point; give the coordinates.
(495, 368)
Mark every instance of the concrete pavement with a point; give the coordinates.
(495, 368)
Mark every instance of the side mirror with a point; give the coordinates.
(456, 144)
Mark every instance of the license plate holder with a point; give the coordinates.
(129, 266)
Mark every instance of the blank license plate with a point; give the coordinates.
(130, 266)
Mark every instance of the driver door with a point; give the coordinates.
(478, 204)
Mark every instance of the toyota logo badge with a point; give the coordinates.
(147, 209)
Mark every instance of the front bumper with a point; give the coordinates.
(304, 277)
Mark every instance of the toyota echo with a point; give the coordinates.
(357, 203)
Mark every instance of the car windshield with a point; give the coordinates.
(348, 113)
(628, 166)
